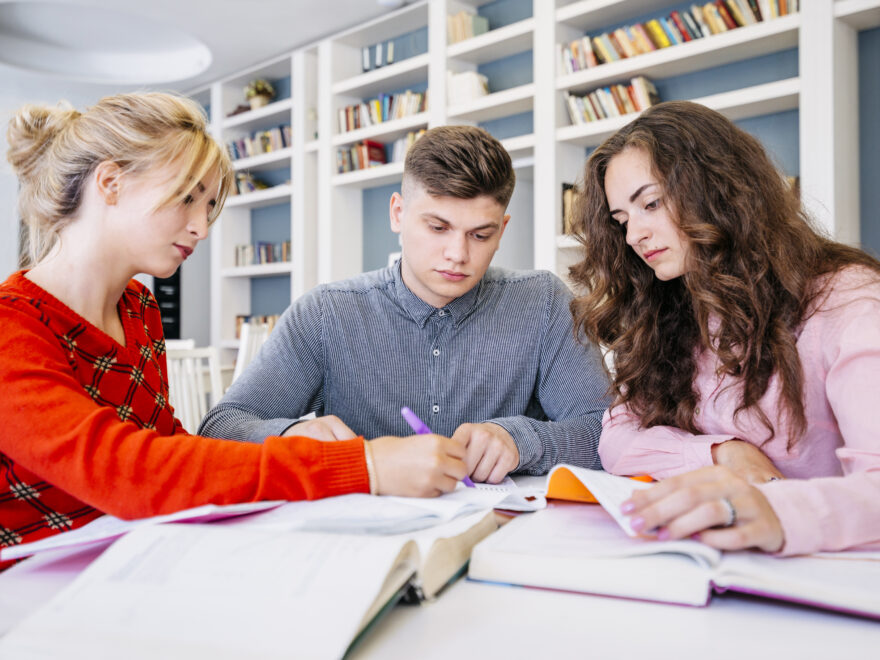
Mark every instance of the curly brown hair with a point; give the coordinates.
(753, 262)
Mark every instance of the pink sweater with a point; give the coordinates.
(830, 499)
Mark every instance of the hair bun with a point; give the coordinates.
(30, 133)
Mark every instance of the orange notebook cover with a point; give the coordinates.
(563, 485)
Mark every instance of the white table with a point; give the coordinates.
(510, 622)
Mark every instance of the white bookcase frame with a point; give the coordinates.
(326, 207)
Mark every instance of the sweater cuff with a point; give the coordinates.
(304, 468)
(800, 521)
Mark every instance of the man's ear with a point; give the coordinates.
(107, 177)
(396, 211)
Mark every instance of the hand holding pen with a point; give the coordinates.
(421, 428)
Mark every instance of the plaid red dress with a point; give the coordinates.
(87, 427)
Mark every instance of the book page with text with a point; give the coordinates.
(208, 591)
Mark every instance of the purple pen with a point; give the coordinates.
(420, 427)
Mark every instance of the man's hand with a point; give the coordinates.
(418, 465)
(491, 451)
(329, 427)
(745, 460)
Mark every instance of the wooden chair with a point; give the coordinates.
(252, 337)
(194, 382)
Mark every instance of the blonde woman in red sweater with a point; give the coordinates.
(131, 186)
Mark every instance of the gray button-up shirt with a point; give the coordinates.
(362, 348)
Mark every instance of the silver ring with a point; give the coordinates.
(731, 512)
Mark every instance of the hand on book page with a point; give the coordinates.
(583, 485)
(580, 548)
(358, 513)
(106, 528)
(219, 592)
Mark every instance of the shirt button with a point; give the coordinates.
(436, 352)
(435, 409)
(442, 312)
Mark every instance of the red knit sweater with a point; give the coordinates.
(87, 427)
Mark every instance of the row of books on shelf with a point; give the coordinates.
(465, 25)
(612, 101)
(676, 28)
(381, 109)
(375, 57)
(245, 183)
(260, 142)
(370, 153)
(360, 156)
(269, 320)
(262, 252)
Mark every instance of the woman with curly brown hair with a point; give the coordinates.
(746, 344)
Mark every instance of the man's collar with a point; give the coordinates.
(420, 311)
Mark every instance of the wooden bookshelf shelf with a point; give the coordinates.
(520, 146)
(754, 101)
(268, 161)
(496, 44)
(858, 14)
(371, 177)
(411, 71)
(259, 270)
(259, 118)
(743, 43)
(387, 131)
(499, 104)
(261, 198)
(596, 14)
(567, 242)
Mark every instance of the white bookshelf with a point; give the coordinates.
(385, 131)
(327, 207)
(260, 198)
(743, 43)
(496, 44)
(493, 106)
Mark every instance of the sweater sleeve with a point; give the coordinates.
(53, 428)
(840, 512)
(659, 451)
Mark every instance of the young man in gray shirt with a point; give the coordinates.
(483, 355)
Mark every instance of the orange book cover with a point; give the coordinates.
(563, 485)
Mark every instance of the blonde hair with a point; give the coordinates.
(53, 150)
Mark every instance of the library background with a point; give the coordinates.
(318, 134)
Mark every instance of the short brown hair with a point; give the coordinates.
(460, 161)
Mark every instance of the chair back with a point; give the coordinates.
(252, 337)
(179, 343)
(194, 382)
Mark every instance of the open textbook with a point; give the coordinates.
(354, 513)
(591, 549)
(239, 591)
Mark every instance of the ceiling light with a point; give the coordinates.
(92, 44)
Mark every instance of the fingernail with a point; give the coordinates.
(637, 524)
(663, 535)
(627, 507)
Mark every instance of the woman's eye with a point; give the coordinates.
(188, 199)
(654, 204)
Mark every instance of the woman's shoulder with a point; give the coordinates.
(849, 284)
(844, 294)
